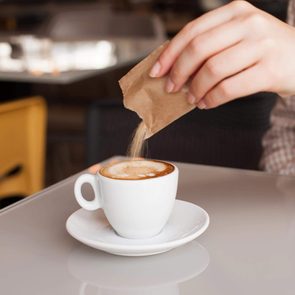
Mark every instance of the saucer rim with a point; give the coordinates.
(151, 247)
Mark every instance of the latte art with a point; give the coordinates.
(137, 169)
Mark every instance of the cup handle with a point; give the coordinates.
(88, 205)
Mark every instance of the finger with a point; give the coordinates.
(202, 24)
(223, 65)
(250, 81)
(202, 48)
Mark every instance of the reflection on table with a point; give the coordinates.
(157, 275)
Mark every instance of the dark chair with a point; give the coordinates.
(109, 129)
(228, 136)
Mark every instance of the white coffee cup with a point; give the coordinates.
(136, 209)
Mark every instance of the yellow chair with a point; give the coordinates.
(22, 146)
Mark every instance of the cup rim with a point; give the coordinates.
(175, 170)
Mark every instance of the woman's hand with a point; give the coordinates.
(233, 51)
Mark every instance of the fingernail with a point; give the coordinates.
(155, 70)
(201, 105)
(170, 86)
(191, 99)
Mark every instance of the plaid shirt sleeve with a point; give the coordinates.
(279, 141)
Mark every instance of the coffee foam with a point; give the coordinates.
(137, 169)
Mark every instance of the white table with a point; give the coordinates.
(249, 244)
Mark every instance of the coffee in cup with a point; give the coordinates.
(137, 196)
(137, 169)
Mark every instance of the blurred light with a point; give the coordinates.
(43, 56)
(5, 49)
(88, 55)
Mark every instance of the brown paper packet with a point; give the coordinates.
(148, 98)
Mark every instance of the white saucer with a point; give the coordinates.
(186, 222)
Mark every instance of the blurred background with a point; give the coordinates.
(60, 105)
